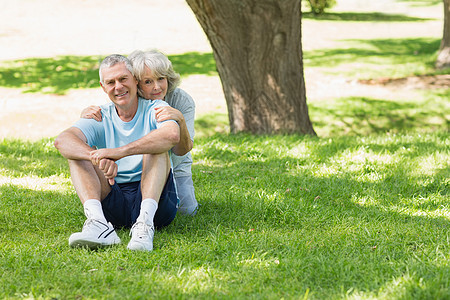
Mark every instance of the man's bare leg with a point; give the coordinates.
(88, 180)
(91, 187)
(155, 169)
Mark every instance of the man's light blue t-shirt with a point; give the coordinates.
(112, 132)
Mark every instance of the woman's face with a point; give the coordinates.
(152, 87)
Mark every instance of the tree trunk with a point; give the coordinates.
(258, 52)
(443, 60)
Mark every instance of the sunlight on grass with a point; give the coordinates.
(58, 75)
(260, 260)
(198, 280)
(340, 217)
(299, 151)
(364, 162)
(52, 183)
(401, 287)
(374, 58)
(428, 165)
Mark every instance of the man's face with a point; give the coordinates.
(152, 87)
(119, 84)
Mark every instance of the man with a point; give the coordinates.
(120, 166)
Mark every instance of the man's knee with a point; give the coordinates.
(160, 161)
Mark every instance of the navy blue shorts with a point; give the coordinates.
(123, 204)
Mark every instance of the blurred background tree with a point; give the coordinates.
(443, 60)
(318, 6)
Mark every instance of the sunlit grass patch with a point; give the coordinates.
(53, 182)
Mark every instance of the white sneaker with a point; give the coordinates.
(94, 234)
(141, 237)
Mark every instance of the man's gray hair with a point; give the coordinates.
(112, 60)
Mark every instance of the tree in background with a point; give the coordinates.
(443, 60)
(258, 52)
(318, 6)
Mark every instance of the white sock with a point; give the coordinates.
(93, 210)
(148, 210)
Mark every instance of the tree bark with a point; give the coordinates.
(443, 60)
(258, 53)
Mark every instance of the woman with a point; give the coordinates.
(157, 80)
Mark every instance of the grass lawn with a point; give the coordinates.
(360, 212)
(345, 216)
(280, 216)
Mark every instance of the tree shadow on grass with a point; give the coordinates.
(422, 2)
(39, 158)
(51, 75)
(238, 161)
(272, 220)
(194, 63)
(394, 51)
(362, 17)
(210, 124)
(335, 233)
(365, 116)
(57, 75)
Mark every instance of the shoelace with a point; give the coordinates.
(89, 222)
(141, 229)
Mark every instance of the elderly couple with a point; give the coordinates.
(129, 159)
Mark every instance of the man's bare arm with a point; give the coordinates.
(157, 141)
(71, 143)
